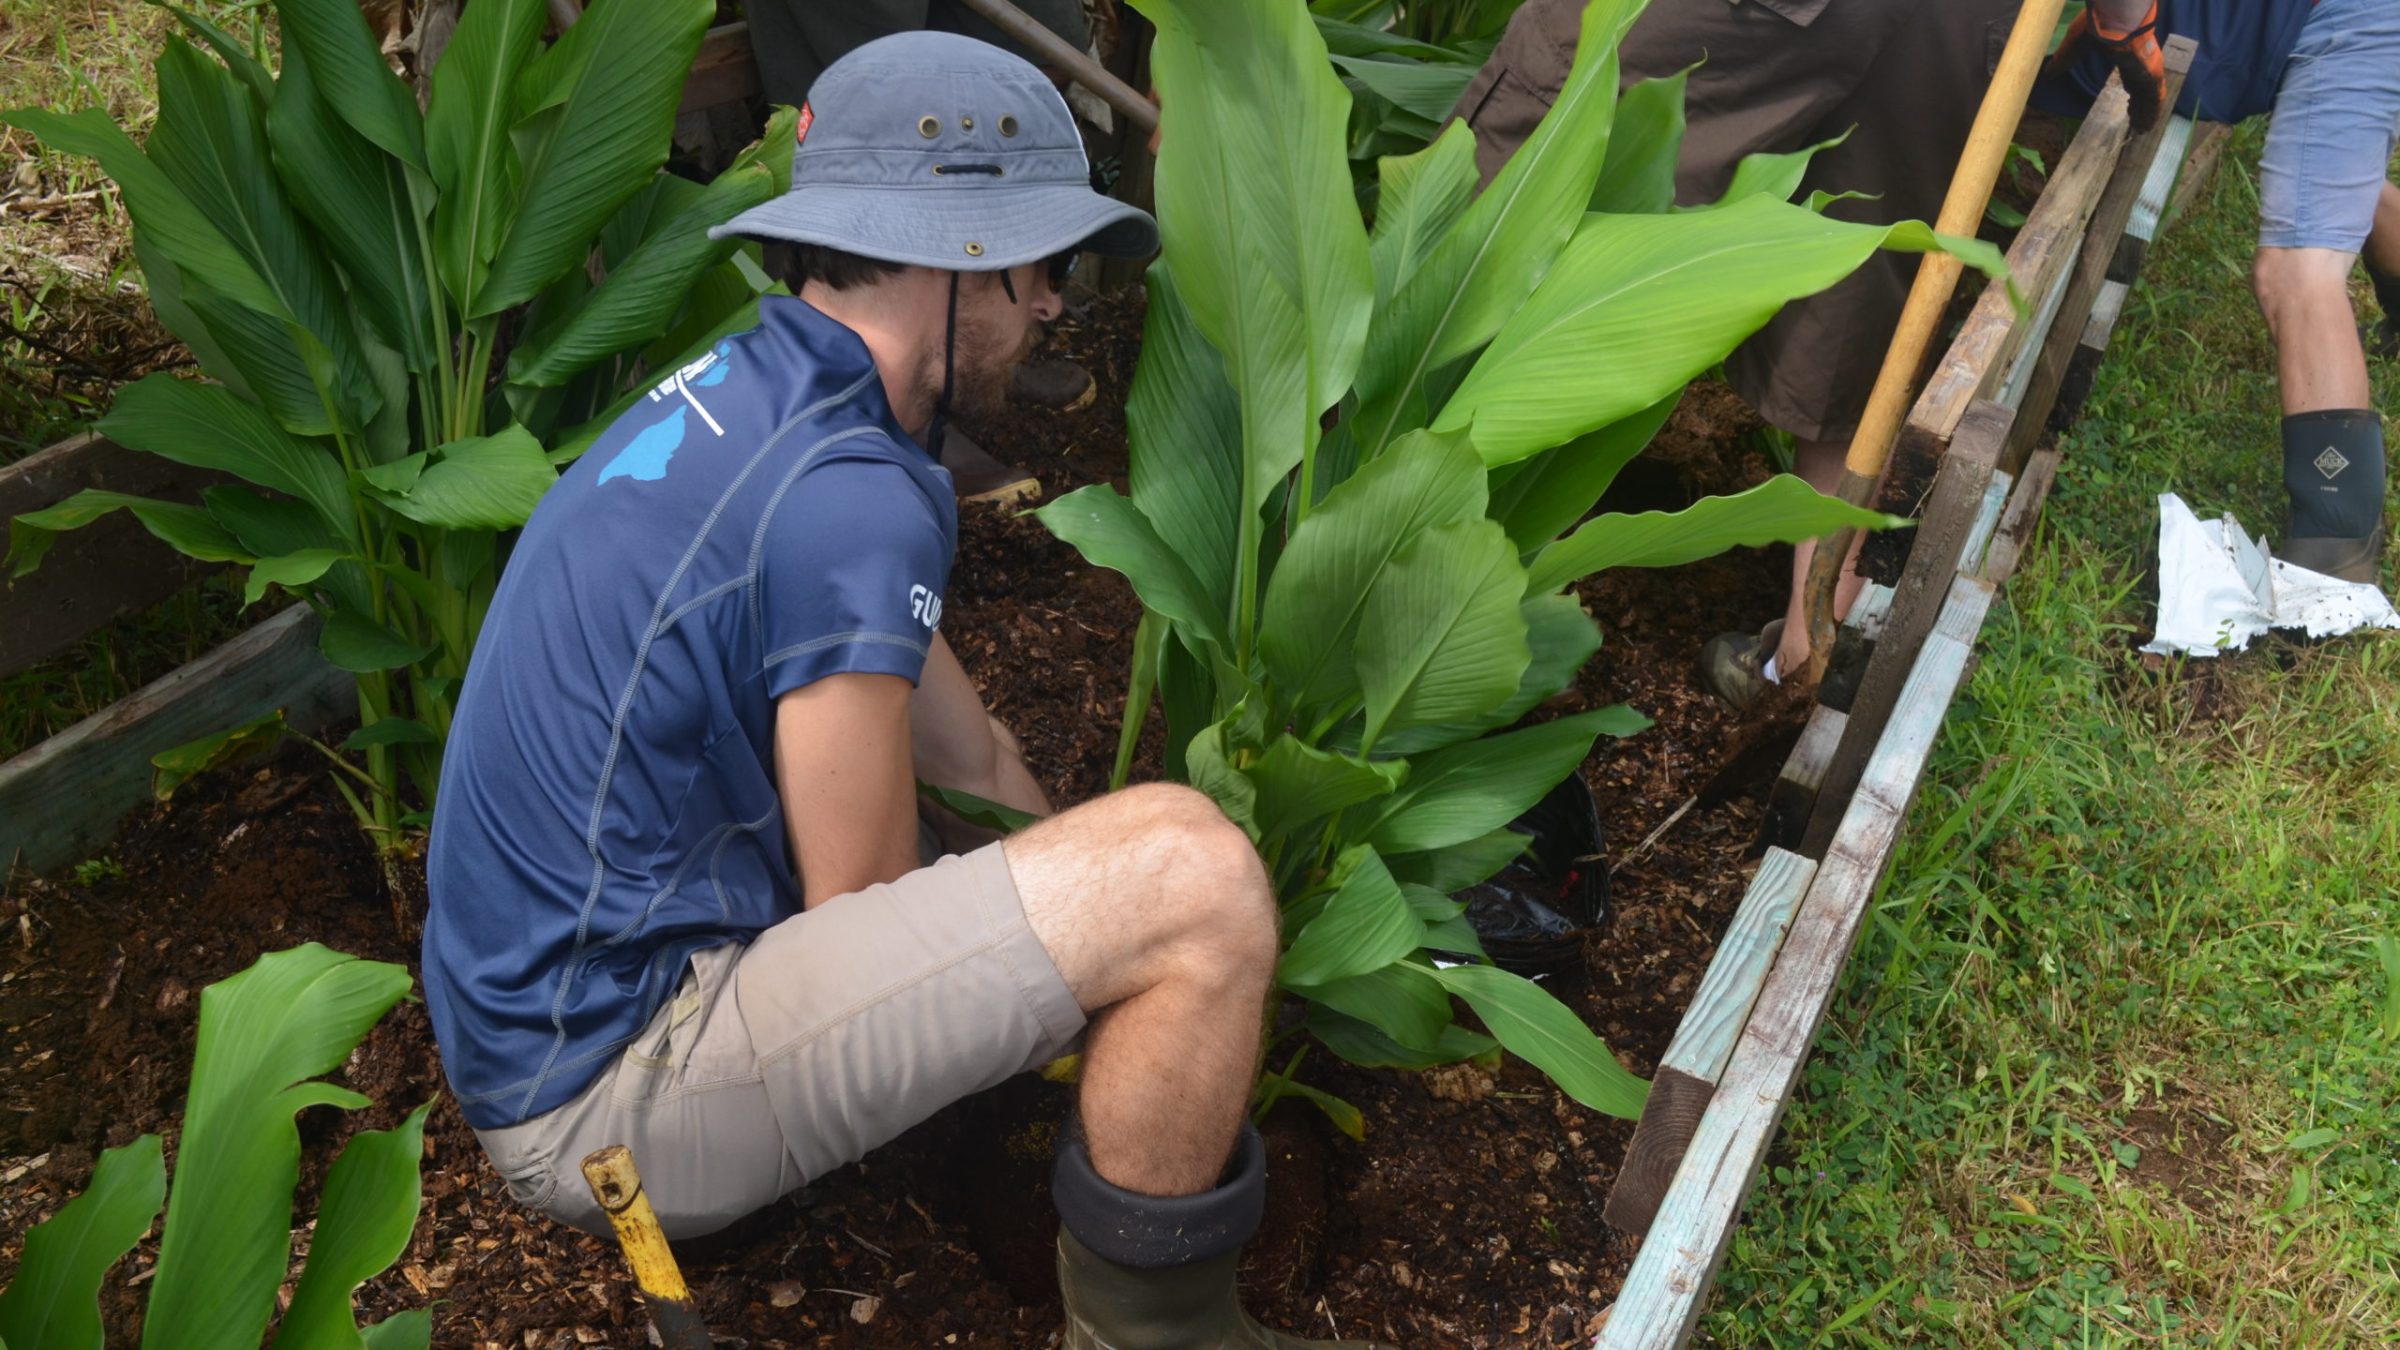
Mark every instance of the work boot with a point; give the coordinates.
(1144, 1272)
(977, 477)
(1063, 385)
(2333, 470)
(1733, 665)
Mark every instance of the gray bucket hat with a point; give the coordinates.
(937, 150)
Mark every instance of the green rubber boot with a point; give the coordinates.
(1163, 1278)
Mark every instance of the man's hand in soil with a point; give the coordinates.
(2127, 32)
(955, 743)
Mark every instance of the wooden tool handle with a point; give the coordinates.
(617, 1185)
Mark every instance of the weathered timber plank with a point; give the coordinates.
(725, 71)
(2200, 162)
(1704, 1039)
(1687, 1074)
(1793, 798)
(2015, 528)
(97, 574)
(1933, 563)
(1977, 358)
(1678, 1261)
(1987, 520)
(2144, 173)
(62, 799)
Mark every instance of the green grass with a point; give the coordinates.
(2114, 1063)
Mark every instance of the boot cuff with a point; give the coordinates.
(1150, 1232)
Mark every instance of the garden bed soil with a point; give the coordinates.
(1469, 1216)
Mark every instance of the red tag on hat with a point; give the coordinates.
(800, 128)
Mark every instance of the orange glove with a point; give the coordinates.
(2135, 53)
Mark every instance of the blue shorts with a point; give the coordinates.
(2336, 120)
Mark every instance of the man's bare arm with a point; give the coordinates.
(842, 770)
(958, 745)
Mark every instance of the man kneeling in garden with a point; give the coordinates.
(718, 636)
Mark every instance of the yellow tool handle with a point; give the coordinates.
(617, 1185)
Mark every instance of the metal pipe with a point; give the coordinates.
(1056, 51)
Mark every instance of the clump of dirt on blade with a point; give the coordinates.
(1465, 1218)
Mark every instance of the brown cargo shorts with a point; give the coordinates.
(1903, 77)
(829, 1034)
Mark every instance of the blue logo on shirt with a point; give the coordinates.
(645, 456)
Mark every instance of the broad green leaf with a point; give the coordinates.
(645, 214)
(1782, 510)
(1538, 498)
(358, 200)
(467, 152)
(272, 526)
(593, 121)
(1344, 1116)
(1469, 790)
(480, 483)
(211, 141)
(229, 49)
(1636, 306)
(208, 427)
(1560, 637)
(1772, 175)
(187, 529)
(1420, 198)
(1365, 926)
(350, 68)
(1426, 88)
(1483, 269)
(54, 1301)
(644, 291)
(777, 141)
(1318, 595)
(1545, 1033)
(1297, 783)
(265, 1035)
(390, 731)
(1460, 865)
(1639, 175)
(172, 768)
(1441, 638)
(1111, 533)
(356, 643)
(1351, 39)
(411, 1330)
(1185, 446)
(368, 1209)
(977, 810)
(1363, 1044)
(290, 571)
(1402, 1001)
(265, 350)
(1208, 767)
(1259, 226)
(162, 215)
(165, 283)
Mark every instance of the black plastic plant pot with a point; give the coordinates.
(1532, 915)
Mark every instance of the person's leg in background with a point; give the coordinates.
(2383, 268)
(2322, 190)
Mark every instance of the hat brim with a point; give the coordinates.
(979, 228)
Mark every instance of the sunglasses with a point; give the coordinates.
(1061, 266)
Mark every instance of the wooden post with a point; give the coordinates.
(617, 1185)
(1943, 538)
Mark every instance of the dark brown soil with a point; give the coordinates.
(1469, 1216)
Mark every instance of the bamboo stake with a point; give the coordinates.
(617, 1185)
(1970, 191)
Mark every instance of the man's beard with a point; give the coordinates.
(984, 357)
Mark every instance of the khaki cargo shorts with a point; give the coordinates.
(829, 1034)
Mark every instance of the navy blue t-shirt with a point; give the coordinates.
(2244, 47)
(757, 522)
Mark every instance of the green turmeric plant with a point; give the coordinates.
(265, 1035)
(1344, 627)
(406, 315)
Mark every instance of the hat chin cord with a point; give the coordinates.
(941, 404)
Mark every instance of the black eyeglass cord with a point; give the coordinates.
(941, 405)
